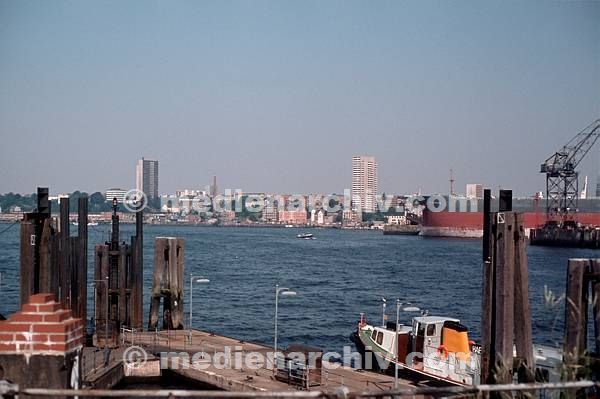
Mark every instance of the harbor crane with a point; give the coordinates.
(562, 185)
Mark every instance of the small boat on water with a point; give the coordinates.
(89, 223)
(306, 236)
(437, 348)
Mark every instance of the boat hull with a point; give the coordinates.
(382, 363)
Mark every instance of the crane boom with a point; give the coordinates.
(561, 176)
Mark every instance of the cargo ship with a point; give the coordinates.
(467, 221)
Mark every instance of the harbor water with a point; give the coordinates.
(337, 275)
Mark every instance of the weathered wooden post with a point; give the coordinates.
(522, 309)
(487, 288)
(36, 235)
(82, 264)
(504, 298)
(64, 270)
(167, 283)
(575, 316)
(506, 314)
(596, 301)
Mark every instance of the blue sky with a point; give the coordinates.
(278, 95)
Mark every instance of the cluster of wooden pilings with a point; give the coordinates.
(506, 314)
(51, 260)
(119, 284)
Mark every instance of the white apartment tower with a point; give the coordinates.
(146, 177)
(365, 183)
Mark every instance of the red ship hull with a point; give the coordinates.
(470, 224)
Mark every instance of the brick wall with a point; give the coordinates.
(41, 327)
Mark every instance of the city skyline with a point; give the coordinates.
(277, 97)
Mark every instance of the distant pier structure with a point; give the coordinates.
(118, 281)
(52, 261)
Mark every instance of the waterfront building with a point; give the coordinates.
(293, 217)
(117, 193)
(190, 193)
(397, 219)
(474, 190)
(350, 216)
(146, 178)
(270, 214)
(226, 216)
(169, 204)
(317, 216)
(365, 183)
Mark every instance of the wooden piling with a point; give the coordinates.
(82, 259)
(595, 268)
(64, 255)
(47, 281)
(122, 288)
(575, 315)
(137, 272)
(504, 298)
(27, 254)
(522, 309)
(487, 315)
(167, 283)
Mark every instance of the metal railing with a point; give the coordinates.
(568, 388)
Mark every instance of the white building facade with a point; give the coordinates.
(365, 183)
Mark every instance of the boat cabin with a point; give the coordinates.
(434, 345)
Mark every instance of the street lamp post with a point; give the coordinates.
(284, 292)
(194, 279)
(105, 281)
(383, 304)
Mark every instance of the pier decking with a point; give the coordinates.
(178, 356)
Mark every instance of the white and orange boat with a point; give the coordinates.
(436, 348)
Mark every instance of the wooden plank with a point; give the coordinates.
(595, 269)
(487, 313)
(522, 309)
(159, 263)
(178, 310)
(123, 305)
(54, 263)
(504, 299)
(82, 258)
(27, 254)
(45, 257)
(172, 283)
(64, 255)
(134, 278)
(575, 315)
(74, 275)
(100, 272)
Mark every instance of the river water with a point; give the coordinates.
(337, 275)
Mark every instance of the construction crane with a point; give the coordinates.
(562, 185)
